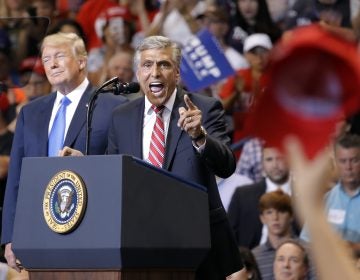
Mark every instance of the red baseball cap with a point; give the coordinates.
(32, 64)
(312, 82)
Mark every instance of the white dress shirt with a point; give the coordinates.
(74, 97)
(149, 122)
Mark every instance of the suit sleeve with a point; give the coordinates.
(12, 185)
(112, 143)
(217, 154)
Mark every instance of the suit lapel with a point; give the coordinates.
(136, 133)
(43, 123)
(174, 132)
(262, 187)
(79, 118)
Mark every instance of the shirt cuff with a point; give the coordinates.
(199, 149)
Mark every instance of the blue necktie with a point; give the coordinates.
(56, 136)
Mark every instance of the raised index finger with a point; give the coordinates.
(189, 103)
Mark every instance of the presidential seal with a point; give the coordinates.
(64, 201)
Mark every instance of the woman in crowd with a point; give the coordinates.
(251, 16)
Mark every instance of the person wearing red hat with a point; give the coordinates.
(33, 83)
(116, 35)
(33, 78)
(88, 15)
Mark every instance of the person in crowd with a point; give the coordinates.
(33, 78)
(64, 111)
(116, 35)
(144, 11)
(216, 20)
(279, 11)
(25, 33)
(10, 8)
(342, 202)
(45, 8)
(90, 16)
(305, 12)
(68, 25)
(312, 179)
(15, 95)
(33, 82)
(228, 186)
(243, 212)
(276, 213)
(68, 8)
(189, 140)
(291, 261)
(15, 12)
(93, 13)
(249, 163)
(121, 65)
(240, 92)
(251, 16)
(177, 20)
(250, 264)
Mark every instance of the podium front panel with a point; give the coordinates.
(136, 216)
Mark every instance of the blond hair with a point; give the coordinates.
(75, 41)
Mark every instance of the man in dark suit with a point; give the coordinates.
(64, 58)
(196, 145)
(243, 210)
(196, 142)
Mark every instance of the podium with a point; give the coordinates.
(139, 222)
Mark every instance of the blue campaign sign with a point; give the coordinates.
(203, 62)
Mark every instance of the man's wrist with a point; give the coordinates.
(202, 135)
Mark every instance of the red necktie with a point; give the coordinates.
(157, 144)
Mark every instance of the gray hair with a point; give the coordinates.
(158, 42)
(61, 38)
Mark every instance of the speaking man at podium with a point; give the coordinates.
(183, 133)
(48, 123)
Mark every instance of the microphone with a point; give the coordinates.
(106, 84)
(122, 88)
(117, 88)
(126, 88)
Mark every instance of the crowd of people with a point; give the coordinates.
(260, 228)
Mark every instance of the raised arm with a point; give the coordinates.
(310, 179)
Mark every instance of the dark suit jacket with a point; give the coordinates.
(31, 140)
(243, 214)
(182, 159)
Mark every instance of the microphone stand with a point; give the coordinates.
(90, 108)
